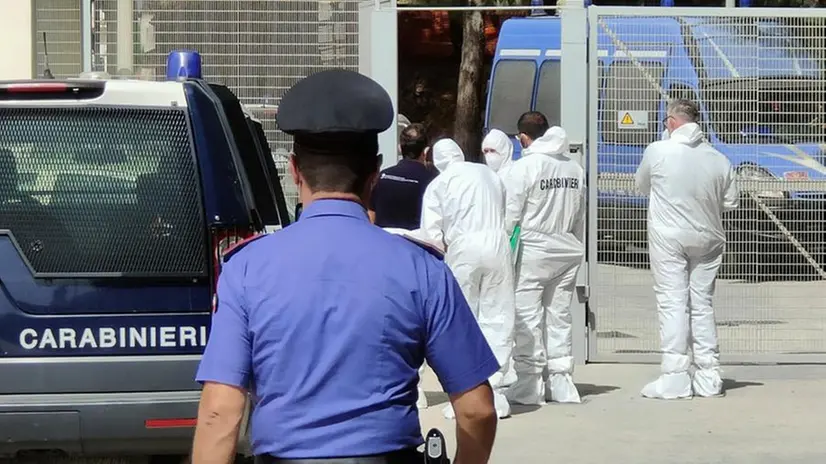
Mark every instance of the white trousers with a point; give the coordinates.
(543, 357)
(684, 282)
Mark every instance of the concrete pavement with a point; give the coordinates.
(753, 318)
(771, 414)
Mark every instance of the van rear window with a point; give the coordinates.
(102, 191)
(511, 93)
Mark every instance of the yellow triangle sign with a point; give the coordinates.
(627, 120)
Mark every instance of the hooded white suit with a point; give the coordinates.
(690, 185)
(464, 208)
(546, 195)
(500, 159)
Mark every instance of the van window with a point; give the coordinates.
(628, 89)
(259, 184)
(549, 93)
(102, 192)
(768, 111)
(511, 93)
(268, 165)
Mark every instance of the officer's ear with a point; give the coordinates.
(294, 170)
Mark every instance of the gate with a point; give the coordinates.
(758, 75)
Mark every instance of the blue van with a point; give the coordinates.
(117, 200)
(761, 93)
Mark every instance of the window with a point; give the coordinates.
(251, 163)
(549, 93)
(271, 171)
(106, 191)
(630, 90)
(769, 111)
(511, 93)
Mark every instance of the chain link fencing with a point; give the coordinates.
(58, 36)
(758, 76)
(258, 48)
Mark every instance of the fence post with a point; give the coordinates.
(378, 58)
(574, 105)
(86, 35)
(125, 37)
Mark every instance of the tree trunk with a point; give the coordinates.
(468, 109)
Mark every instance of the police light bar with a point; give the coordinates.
(183, 64)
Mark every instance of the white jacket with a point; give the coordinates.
(690, 185)
(546, 196)
(464, 198)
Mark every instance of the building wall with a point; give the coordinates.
(16, 39)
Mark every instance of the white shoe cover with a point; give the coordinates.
(500, 402)
(669, 387)
(560, 388)
(529, 389)
(707, 383)
(503, 408)
(421, 402)
(448, 412)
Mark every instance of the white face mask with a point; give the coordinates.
(494, 160)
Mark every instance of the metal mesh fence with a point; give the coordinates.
(761, 88)
(258, 48)
(101, 190)
(58, 21)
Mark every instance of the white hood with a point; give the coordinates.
(502, 146)
(687, 134)
(445, 153)
(554, 142)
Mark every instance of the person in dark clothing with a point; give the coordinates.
(397, 197)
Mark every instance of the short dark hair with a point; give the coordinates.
(413, 140)
(341, 173)
(533, 124)
(685, 109)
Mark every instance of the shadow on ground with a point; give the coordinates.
(589, 389)
(517, 409)
(585, 390)
(731, 384)
(436, 398)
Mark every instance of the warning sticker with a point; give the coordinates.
(635, 120)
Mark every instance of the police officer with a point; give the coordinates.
(327, 321)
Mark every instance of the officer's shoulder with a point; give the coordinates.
(409, 243)
(236, 248)
(430, 249)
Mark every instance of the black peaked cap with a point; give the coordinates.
(333, 102)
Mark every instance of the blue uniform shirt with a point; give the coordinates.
(327, 322)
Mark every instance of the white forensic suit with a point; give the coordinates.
(497, 148)
(464, 208)
(546, 195)
(690, 185)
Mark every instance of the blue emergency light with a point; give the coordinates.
(183, 64)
